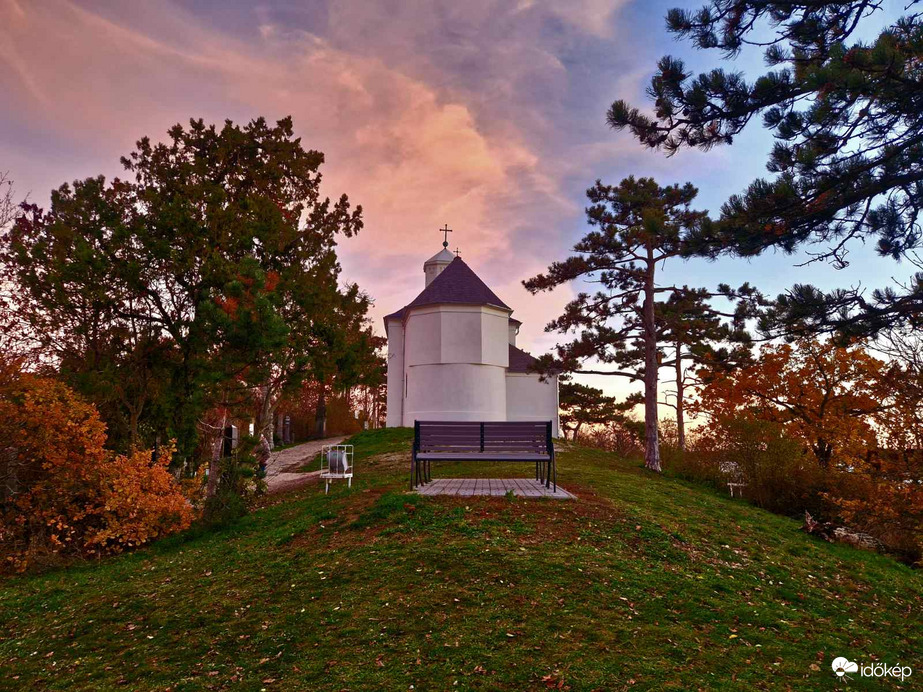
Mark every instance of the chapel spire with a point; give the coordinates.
(434, 265)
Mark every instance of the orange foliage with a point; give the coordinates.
(61, 492)
(821, 394)
(340, 418)
(885, 499)
(884, 494)
(229, 305)
(860, 418)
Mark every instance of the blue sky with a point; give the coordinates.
(486, 115)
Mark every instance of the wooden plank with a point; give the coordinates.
(492, 487)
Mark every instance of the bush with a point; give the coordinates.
(776, 471)
(884, 497)
(623, 437)
(62, 494)
(239, 482)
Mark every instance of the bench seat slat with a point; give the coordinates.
(487, 447)
(477, 456)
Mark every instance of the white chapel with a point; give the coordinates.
(452, 355)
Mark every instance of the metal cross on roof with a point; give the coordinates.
(457, 252)
(446, 231)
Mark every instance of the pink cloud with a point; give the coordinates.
(406, 137)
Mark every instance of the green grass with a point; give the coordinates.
(644, 583)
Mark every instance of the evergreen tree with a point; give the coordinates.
(848, 119)
(583, 405)
(638, 226)
(693, 331)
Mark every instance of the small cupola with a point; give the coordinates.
(434, 265)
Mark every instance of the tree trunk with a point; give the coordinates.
(651, 367)
(823, 451)
(320, 420)
(576, 432)
(680, 408)
(214, 462)
(263, 426)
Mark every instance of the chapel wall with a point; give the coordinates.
(530, 399)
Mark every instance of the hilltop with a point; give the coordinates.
(645, 582)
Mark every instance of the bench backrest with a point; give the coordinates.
(490, 437)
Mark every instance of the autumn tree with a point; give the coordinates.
(328, 336)
(848, 158)
(902, 426)
(367, 391)
(175, 293)
(885, 493)
(822, 394)
(638, 226)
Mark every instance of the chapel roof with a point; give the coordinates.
(520, 360)
(456, 284)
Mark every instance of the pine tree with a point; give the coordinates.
(584, 405)
(638, 226)
(848, 119)
(693, 331)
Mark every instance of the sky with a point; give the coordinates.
(486, 115)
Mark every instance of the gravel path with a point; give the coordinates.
(281, 469)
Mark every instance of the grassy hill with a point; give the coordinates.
(644, 583)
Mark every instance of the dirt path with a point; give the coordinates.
(281, 469)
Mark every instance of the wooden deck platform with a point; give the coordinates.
(495, 487)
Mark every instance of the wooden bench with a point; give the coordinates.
(489, 441)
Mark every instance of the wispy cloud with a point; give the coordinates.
(428, 112)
